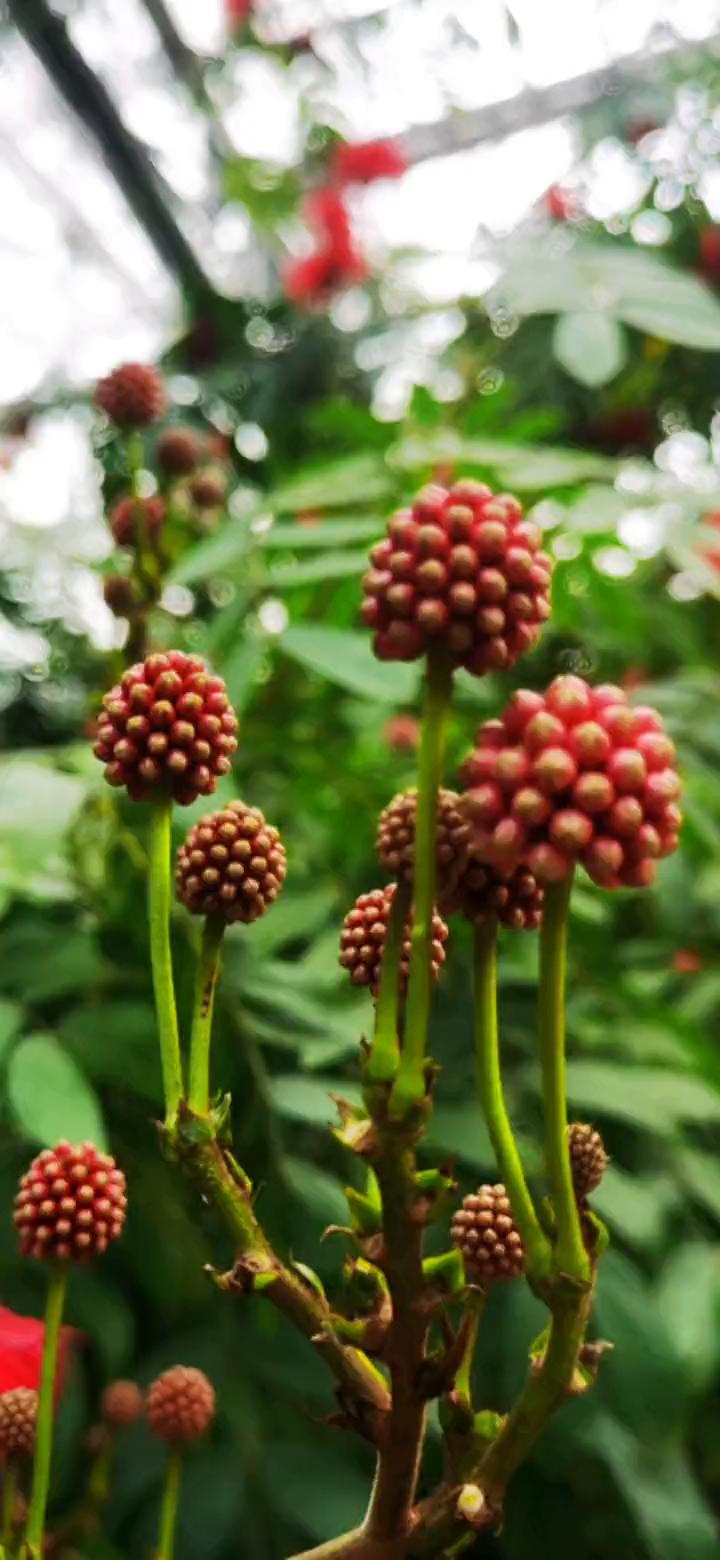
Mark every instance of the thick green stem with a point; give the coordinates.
(169, 1511)
(35, 1529)
(409, 1087)
(159, 900)
(206, 975)
(384, 1058)
(436, 1520)
(492, 1099)
(570, 1254)
(9, 1495)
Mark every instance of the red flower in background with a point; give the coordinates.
(709, 266)
(21, 1346)
(238, 11)
(711, 554)
(368, 160)
(561, 204)
(336, 262)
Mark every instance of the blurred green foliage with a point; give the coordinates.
(633, 1469)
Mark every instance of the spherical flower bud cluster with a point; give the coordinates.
(588, 1159)
(132, 519)
(208, 489)
(120, 593)
(484, 1230)
(574, 775)
(167, 725)
(180, 1404)
(516, 899)
(121, 1404)
(71, 1204)
(132, 396)
(18, 1422)
(178, 451)
(232, 864)
(395, 838)
(362, 940)
(463, 570)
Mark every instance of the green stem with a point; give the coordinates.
(145, 564)
(409, 1088)
(206, 976)
(570, 1254)
(35, 1530)
(384, 1057)
(168, 1514)
(161, 955)
(9, 1493)
(474, 1314)
(487, 1050)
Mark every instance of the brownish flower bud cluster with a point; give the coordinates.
(362, 940)
(18, 1422)
(484, 1230)
(132, 396)
(516, 899)
(232, 864)
(588, 1159)
(395, 839)
(121, 1404)
(180, 1404)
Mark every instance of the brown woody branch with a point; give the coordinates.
(364, 1396)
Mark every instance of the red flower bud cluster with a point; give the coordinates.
(575, 774)
(167, 724)
(516, 899)
(180, 1404)
(178, 451)
(71, 1204)
(132, 396)
(362, 940)
(336, 261)
(367, 161)
(461, 569)
(130, 517)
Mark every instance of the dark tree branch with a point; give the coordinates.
(127, 160)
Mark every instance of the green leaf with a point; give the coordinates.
(323, 533)
(328, 566)
(637, 1207)
(589, 346)
(295, 918)
(37, 806)
(309, 1099)
(357, 479)
(49, 1096)
(346, 658)
(659, 1488)
(116, 1043)
(10, 1020)
(649, 1097)
(688, 1302)
(632, 286)
(222, 553)
(320, 1192)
